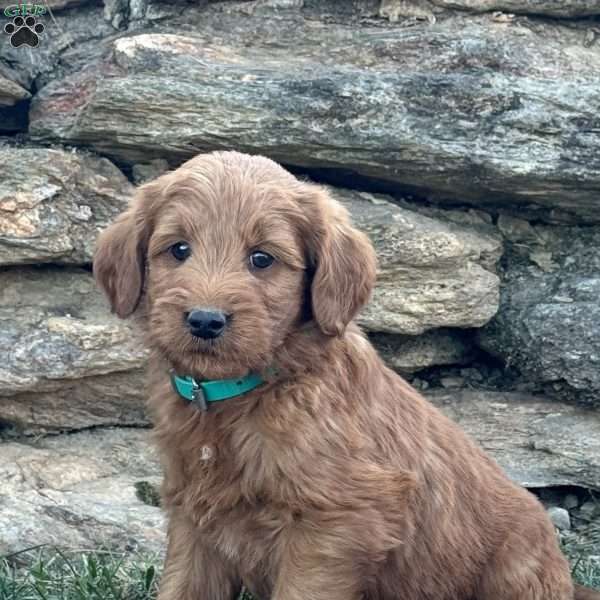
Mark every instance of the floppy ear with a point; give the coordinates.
(344, 261)
(120, 257)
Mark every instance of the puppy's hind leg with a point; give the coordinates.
(527, 569)
(192, 570)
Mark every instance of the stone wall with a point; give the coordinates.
(463, 136)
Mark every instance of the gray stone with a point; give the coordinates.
(420, 384)
(517, 230)
(553, 8)
(54, 202)
(79, 491)
(115, 12)
(515, 109)
(143, 172)
(539, 442)
(548, 326)
(452, 382)
(65, 362)
(560, 518)
(407, 354)
(254, 6)
(571, 501)
(590, 510)
(432, 273)
(471, 374)
(396, 10)
(119, 12)
(11, 92)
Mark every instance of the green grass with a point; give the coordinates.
(51, 574)
(587, 572)
(582, 548)
(56, 575)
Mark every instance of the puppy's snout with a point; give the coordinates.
(206, 323)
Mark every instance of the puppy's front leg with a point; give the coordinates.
(321, 566)
(334, 552)
(193, 570)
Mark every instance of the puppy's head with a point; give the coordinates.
(230, 254)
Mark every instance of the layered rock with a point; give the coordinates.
(54, 202)
(11, 92)
(432, 273)
(538, 442)
(548, 325)
(80, 491)
(69, 364)
(408, 354)
(553, 8)
(464, 109)
(65, 362)
(98, 495)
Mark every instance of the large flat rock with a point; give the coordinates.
(490, 113)
(65, 362)
(54, 202)
(538, 442)
(80, 491)
(432, 273)
(553, 8)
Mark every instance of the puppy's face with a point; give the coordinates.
(226, 274)
(231, 253)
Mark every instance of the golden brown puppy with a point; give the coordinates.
(330, 477)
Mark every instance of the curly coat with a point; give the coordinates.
(333, 480)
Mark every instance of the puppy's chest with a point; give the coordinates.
(245, 495)
(243, 466)
(258, 457)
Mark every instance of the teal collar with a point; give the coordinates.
(204, 393)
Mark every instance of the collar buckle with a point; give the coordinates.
(198, 396)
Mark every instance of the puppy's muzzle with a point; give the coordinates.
(206, 323)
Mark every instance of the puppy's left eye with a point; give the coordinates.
(261, 260)
(180, 250)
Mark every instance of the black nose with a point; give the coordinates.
(206, 323)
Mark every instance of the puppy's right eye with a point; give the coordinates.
(180, 250)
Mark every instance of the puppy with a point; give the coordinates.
(295, 462)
